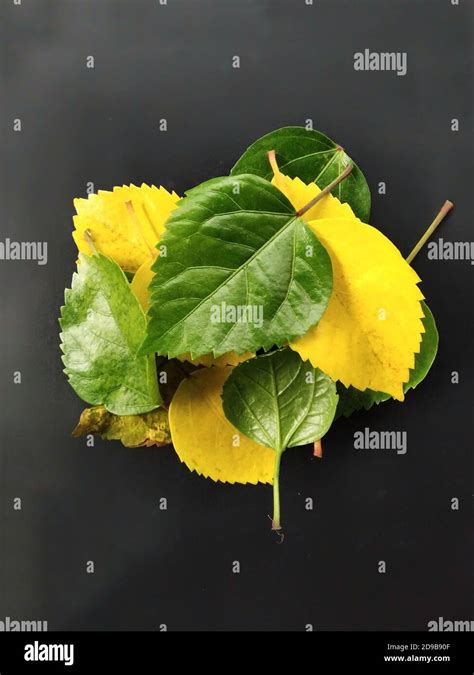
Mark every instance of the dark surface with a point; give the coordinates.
(101, 504)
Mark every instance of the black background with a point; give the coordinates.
(174, 567)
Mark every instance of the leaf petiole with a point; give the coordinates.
(317, 449)
(273, 163)
(329, 188)
(444, 210)
(276, 524)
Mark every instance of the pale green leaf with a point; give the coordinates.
(103, 326)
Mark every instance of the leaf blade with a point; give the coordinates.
(372, 328)
(351, 399)
(125, 223)
(245, 250)
(103, 327)
(280, 401)
(206, 442)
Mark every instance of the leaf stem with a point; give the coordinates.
(276, 524)
(317, 449)
(444, 210)
(325, 191)
(90, 241)
(273, 162)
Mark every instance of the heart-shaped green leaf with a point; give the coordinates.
(279, 401)
(352, 399)
(103, 326)
(311, 156)
(237, 271)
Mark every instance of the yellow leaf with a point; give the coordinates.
(206, 441)
(372, 327)
(141, 280)
(208, 360)
(125, 224)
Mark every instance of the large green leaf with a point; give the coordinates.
(234, 249)
(279, 401)
(103, 326)
(352, 399)
(311, 156)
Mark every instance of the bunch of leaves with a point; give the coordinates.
(342, 321)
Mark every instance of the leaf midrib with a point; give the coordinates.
(276, 407)
(308, 408)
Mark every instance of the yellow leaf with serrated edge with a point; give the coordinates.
(206, 441)
(125, 224)
(141, 280)
(372, 327)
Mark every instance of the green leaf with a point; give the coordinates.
(235, 250)
(133, 431)
(279, 401)
(352, 399)
(311, 156)
(103, 326)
